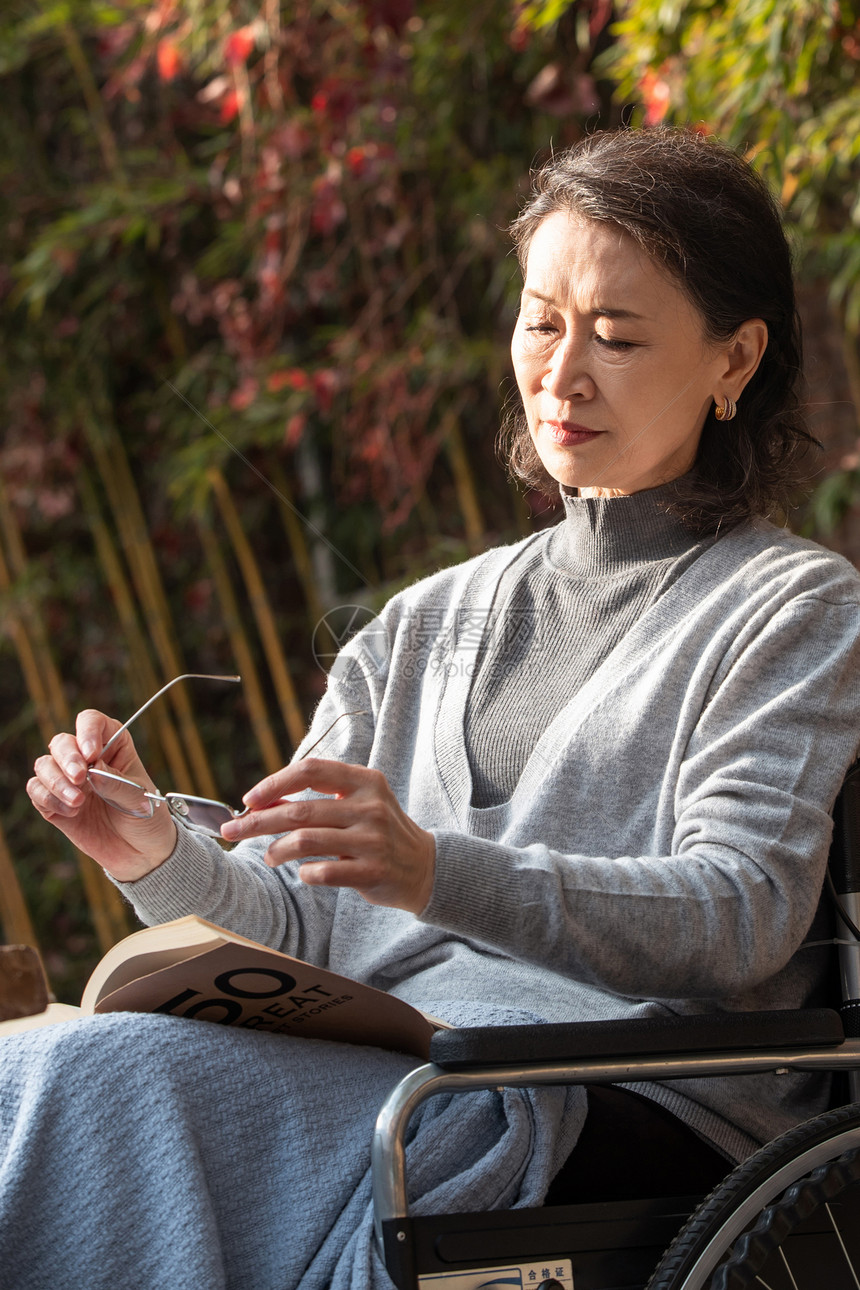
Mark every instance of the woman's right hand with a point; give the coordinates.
(128, 848)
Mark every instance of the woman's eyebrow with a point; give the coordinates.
(598, 312)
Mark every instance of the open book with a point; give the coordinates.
(191, 968)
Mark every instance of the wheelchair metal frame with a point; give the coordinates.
(391, 1209)
(398, 1235)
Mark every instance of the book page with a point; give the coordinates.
(146, 951)
(256, 988)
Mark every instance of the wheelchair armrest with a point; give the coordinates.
(476, 1046)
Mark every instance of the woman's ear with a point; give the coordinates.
(743, 355)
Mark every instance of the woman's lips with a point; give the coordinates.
(568, 434)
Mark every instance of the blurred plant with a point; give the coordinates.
(254, 297)
(781, 80)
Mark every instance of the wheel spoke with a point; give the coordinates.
(842, 1243)
(736, 1238)
(787, 1268)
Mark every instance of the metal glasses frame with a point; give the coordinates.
(180, 804)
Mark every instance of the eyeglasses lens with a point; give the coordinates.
(122, 794)
(207, 815)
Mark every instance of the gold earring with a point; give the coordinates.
(726, 411)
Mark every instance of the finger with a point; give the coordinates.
(66, 753)
(336, 873)
(346, 844)
(93, 729)
(65, 802)
(364, 877)
(315, 773)
(51, 776)
(285, 816)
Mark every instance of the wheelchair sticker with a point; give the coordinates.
(550, 1274)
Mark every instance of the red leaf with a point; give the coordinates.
(520, 35)
(656, 96)
(600, 14)
(238, 46)
(356, 160)
(295, 429)
(289, 377)
(335, 98)
(230, 105)
(325, 382)
(169, 59)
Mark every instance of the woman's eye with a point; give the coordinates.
(542, 329)
(609, 343)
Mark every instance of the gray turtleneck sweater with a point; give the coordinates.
(674, 765)
(560, 611)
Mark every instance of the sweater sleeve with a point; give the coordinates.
(732, 900)
(235, 888)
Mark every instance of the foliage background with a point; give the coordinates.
(255, 300)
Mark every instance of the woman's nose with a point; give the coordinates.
(567, 375)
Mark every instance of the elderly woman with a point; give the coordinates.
(610, 800)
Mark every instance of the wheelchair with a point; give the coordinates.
(787, 1218)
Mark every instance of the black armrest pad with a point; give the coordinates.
(639, 1037)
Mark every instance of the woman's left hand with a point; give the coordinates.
(380, 851)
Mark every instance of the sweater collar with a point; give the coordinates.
(601, 535)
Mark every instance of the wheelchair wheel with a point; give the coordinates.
(788, 1218)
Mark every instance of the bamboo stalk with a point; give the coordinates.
(154, 596)
(107, 909)
(28, 628)
(27, 659)
(301, 557)
(14, 916)
(271, 755)
(89, 89)
(464, 483)
(246, 116)
(272, 55)
(261, 608)
(144, 680)
(55, 699)
(115, 472)
(173, 333)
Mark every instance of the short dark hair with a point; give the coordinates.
(702, 213)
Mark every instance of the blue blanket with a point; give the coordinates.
(163, 1154)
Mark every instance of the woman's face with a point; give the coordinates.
(611, 360)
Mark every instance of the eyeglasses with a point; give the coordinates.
(199, 814)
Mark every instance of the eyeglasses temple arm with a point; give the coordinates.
(186, 676)
(359, 712)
